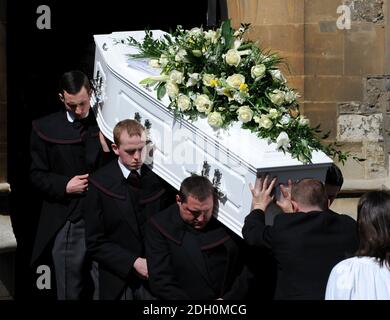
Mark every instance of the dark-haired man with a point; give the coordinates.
(307, 240)
(121, 197)
(190, 254)
(65, 148)
(333, 182)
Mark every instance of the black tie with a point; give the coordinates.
(134, 179)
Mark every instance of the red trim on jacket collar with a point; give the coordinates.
(152, 197)
(167, 235)
(106, 191)
(215, 244)
(52, 140)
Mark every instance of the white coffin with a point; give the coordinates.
(182, 147)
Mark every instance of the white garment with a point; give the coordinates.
(126, 170)
(359, 278)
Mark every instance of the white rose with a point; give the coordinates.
(285, 119)
(233, 57)
(303, 121)
(290, 96)
(176, 76)
(278, 76)
(211, 35)
(257, 119)
(240, 97)
(203, 103)
(154, 63)
(215, 119)
(183, 102)
(265, 122)
(235, 80)
(258, 71)
(277, 97)
(273, 113)
(283, 141)
(245, 114)
(172, 89)
(196, 32)
(207, 78)
(181, 55)
(163, 61)
(193, 79)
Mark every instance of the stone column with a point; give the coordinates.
(3, 98)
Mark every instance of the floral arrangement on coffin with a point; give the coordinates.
(222, 76)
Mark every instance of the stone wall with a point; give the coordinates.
(341, 73)
(3, 95)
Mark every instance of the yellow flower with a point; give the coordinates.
(214, 83)
(243, 87)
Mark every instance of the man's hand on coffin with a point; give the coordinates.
(77, 185)
(262, 192)
(284, 201)
(141, 267)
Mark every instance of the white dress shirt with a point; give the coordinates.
(359, 278)
(125, 170)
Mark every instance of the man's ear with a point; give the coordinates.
(61, 97)
(178, 200)
(295, 206)
(115, 148)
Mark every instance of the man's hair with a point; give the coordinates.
(198, 187)
(132, 127)
(73, 81)
(374, 226)
(310, 192)
(334, 176)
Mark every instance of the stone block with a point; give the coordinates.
(352, 169)
(333, 88)
(376, 161)
(355, 128)
(324, 52)
(364, 50)
(367, 10)
(265, 12)
(378, 92)
(350, 108)
(323, 114)
(346, 206)
(286, 41)
(317, 10)
(285, 38)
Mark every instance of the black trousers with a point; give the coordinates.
(73, 270)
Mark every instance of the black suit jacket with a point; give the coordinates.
(185, 265)
(306, 247)
(114, 215)
(60, 150)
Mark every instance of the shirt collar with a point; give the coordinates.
(125, 170)
(70, 116)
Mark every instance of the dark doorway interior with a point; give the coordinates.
(36, 59)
